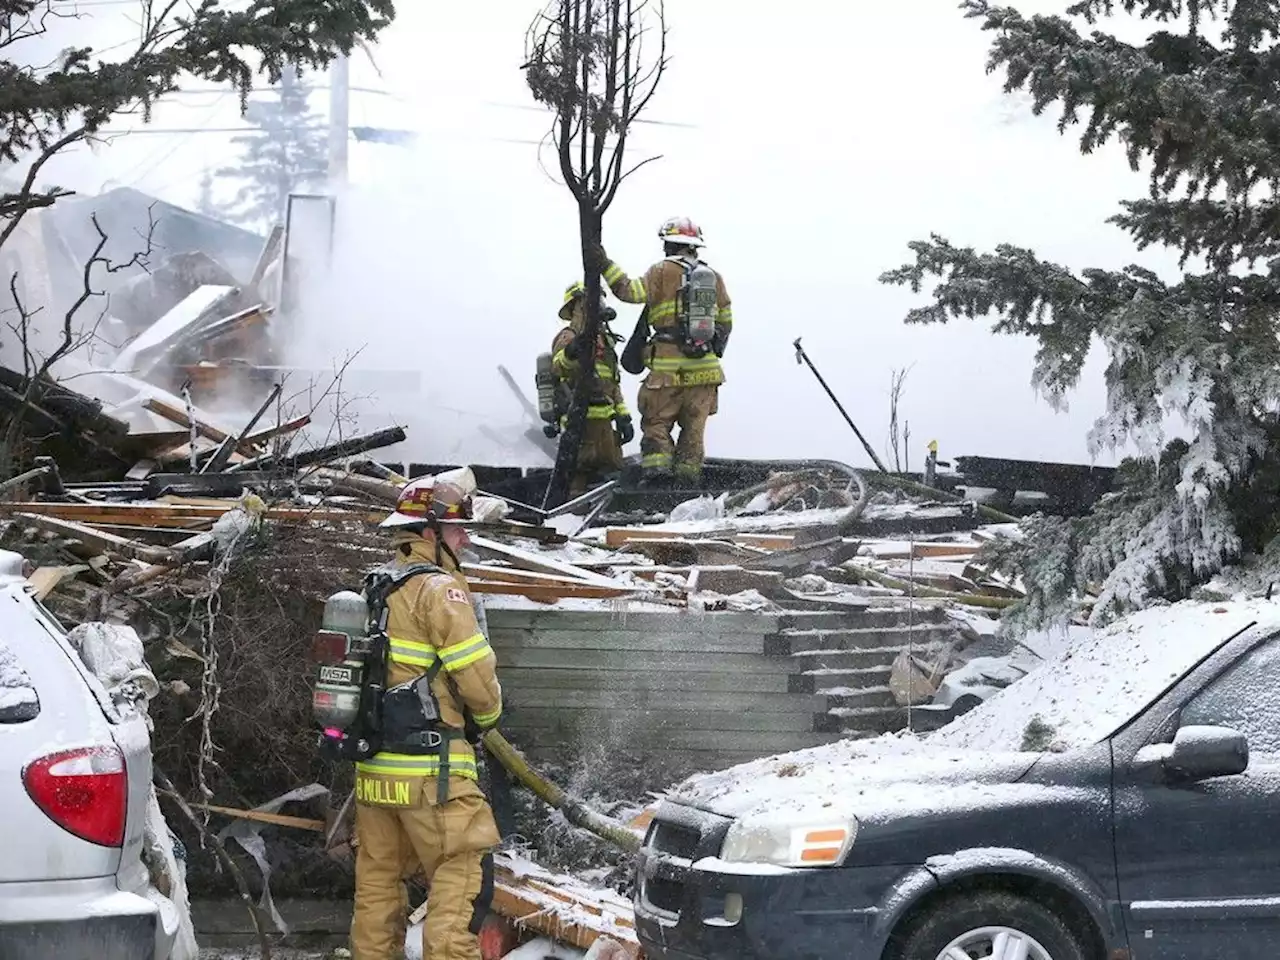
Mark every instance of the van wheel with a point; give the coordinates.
(989, 925)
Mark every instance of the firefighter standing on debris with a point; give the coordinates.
(690, 313)
(427, 804)
(600, 454)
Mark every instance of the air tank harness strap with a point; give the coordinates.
(378, 586)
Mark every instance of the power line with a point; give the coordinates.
(151, 165)
(255, 131)
(222, 90)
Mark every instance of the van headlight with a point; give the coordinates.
(790, 838)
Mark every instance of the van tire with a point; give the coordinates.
(929, 933)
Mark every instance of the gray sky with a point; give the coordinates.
(822, 142)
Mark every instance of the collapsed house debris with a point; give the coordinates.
(792, 605)
(896, 616)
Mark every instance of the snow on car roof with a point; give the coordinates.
(1099, 682)
(1076, 699)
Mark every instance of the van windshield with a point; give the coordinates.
(1101, 682)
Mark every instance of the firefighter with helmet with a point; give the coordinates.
(600, 455)
(426, 804)
(691, 318)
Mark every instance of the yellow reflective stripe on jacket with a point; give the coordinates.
(725, 316)
(412, 765)
(469, 651)
(488, 719)
(612, 274)
(605, 372)
(413, 653)
(661, 311)
(621, 409)
(593, 413)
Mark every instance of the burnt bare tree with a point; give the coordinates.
(899, 440)
(72, 332)
(595, 64)
(49, 107)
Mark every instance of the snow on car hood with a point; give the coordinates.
(1074, 700)
(846, 769)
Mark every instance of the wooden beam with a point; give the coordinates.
(766, 541)
(280, 430)
(98, 539)
(939, 550)
(174, 415)
(261, 816)
(171, 515)
(482, 571)
(548, 594)
(529, 560)
(617, 536)
(564, 913)
(46, 579)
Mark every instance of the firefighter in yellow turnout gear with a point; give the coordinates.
(691, 316)
(427, 805)
(600, 454)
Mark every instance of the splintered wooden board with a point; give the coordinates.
(549, 594)
(560, 908)
(97, 539)
(540, 563)
(169, 514)
(46, 579)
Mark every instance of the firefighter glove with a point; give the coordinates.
(719, 340)
(573, 349)
(626, 432)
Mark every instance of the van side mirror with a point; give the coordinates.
(1202, 753)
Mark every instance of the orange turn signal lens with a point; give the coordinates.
(820, 855)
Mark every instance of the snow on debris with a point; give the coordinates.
(570, 900)
(1078, 698)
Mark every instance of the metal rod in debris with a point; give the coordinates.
(801, 355)
(590, 497)
(229, 446)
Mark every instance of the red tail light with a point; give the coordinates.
(329, 647)
(84, 791)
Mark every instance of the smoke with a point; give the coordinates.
(427, 292)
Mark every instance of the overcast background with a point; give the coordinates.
(818, 144)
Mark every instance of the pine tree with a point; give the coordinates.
(1197, 105)
(289, 154)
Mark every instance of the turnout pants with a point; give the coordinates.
(451, 841)
(599, 455)
(664, 407)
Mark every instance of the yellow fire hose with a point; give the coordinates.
(574, 810)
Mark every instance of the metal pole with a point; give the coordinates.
(339, 120)
(801, 355)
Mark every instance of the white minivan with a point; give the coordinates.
(75, 776)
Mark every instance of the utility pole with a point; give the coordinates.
(339, 127)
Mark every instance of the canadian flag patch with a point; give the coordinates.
(456, 595)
